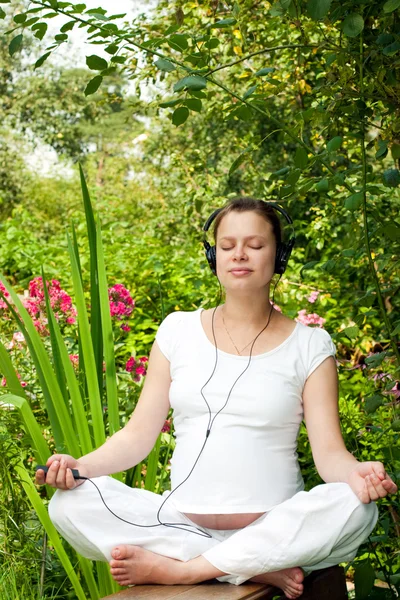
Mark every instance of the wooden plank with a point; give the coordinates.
(213, 590)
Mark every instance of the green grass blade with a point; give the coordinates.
(78, 407)
(82, 378)
(152, 466)
(6, 368)
(51, 531)
(58, 369)
(111, 376)
(87, 352)
(87, 570)
(42, 451)
(95, 314)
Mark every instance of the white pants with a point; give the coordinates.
(312, 530)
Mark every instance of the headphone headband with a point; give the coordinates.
(283, 250)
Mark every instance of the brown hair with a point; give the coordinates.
(247, 203)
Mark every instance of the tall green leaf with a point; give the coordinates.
(87, 352)
(95, 313)
(111, 376)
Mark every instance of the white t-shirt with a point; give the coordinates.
(249, 463)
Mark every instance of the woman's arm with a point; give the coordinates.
(333, 461)
(129, 446)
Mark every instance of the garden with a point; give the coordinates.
(175, 110)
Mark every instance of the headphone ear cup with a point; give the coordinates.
(211, 256)
(283, 253)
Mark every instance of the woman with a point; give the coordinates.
(240, 378)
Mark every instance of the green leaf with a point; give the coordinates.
(112, 48)
(391, 5)
(190, 82)
(244, 113)
(392, 49)
(67, 26)
(334, 144)
(351, 332)
(61, 37)
(170, 103)
(249, 92)
(364, 578)
(322, 186)
(391, 177)
(180, 115)
(239, 160)
(212, 43)
(2, 14)
(41, 60)
(223, 23)
(15, 44)
(301, 158)
(40, 29)
(318, 9)
(382, 149)
(119, 60)
(96, 63)
(264, 71)
(375, 360)
(20, 18)
(194, 104)
(353, 25)
(164, 65)
(373, 402)
(354, 201)
(93, 85)
(178, 42)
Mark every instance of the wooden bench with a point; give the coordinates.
(326, 584)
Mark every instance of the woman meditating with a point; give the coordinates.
(240, 378)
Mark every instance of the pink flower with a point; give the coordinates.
(144, 359)
(121, 304)
(74, 358)
(3, 305)
(310, 319)
(140, 370)
(130, 365)
(313, 296)
(166, 428)
(17, 341)
(60, 303)
(4, 381)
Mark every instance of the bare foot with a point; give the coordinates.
(135, 565)
(290, 581)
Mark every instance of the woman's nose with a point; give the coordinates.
(239, 253)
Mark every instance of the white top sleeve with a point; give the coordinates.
(166, 335)
(320, 347)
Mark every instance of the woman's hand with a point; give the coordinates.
(369, 481)
(59, 474)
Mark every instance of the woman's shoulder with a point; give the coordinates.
(177, 317)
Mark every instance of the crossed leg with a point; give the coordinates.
(135, 565)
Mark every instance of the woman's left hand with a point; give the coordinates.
(369, 481)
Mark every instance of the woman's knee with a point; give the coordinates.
(70, 505)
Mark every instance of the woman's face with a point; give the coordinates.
(246, 250)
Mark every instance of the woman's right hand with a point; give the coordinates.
(59, 474)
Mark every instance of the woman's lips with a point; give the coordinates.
(240, 271)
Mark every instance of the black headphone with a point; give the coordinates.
(283, 250)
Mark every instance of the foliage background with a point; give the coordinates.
(291, 101)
